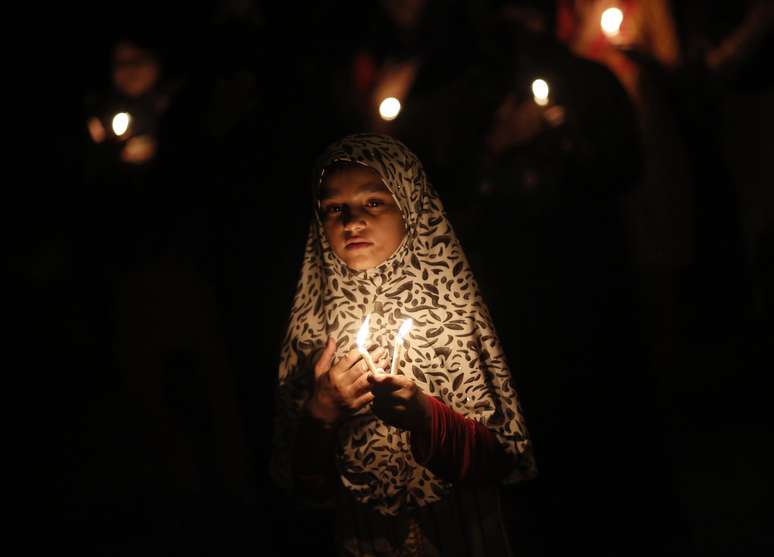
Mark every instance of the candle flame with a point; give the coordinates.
(121, 123)
(611, 21)
(362, 334)
(389, 108)
(540, 91)
(405, 328)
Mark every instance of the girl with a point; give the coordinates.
(412, 456)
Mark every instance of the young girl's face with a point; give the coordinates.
(361, 219)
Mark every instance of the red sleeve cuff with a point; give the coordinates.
(459, 449)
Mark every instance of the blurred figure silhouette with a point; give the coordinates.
(723, 91)
(128, 117)
(404, 73)
(560, 153)
(722, 103)
(158, 442)
(699, 221)
(640, 47)
(606, 32)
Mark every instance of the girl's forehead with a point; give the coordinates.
(351, 179)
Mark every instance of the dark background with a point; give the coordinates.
(626, 255)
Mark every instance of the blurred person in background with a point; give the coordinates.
(394, 40)
(721, 97)
(722, 106)
(605, 31)
(157, 439)
(408, 73)
(637, 41)
(701, 225)
(127, 117)
(680, 61)
(557, 161)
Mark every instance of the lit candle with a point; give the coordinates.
(540, 92)
(362, 335)
(389, 108)
(402, 332)
(120, 123)
(611, 21)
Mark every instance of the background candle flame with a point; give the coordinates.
(120, 123)
(389, 108)
(611, 21)
(540, 91)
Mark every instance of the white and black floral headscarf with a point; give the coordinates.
(452, 351)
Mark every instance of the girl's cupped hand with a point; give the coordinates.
(341, 389)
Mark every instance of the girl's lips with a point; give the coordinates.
(358, 245)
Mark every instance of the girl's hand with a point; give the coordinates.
(400, 403)
(341, 389)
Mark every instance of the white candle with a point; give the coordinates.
(362, 335)
(402, 332)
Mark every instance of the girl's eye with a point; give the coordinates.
(374, 203)
(332, 209)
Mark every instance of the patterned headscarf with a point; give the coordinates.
(452, 352)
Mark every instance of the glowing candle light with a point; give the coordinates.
(540, 92)
(402, 332)
(611, 22)
(121, 123)
(362, 335)
(389, 108)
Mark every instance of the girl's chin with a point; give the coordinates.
(363, 263)
(360, 260)
(361, 268)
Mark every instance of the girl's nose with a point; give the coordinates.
(353, 219)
